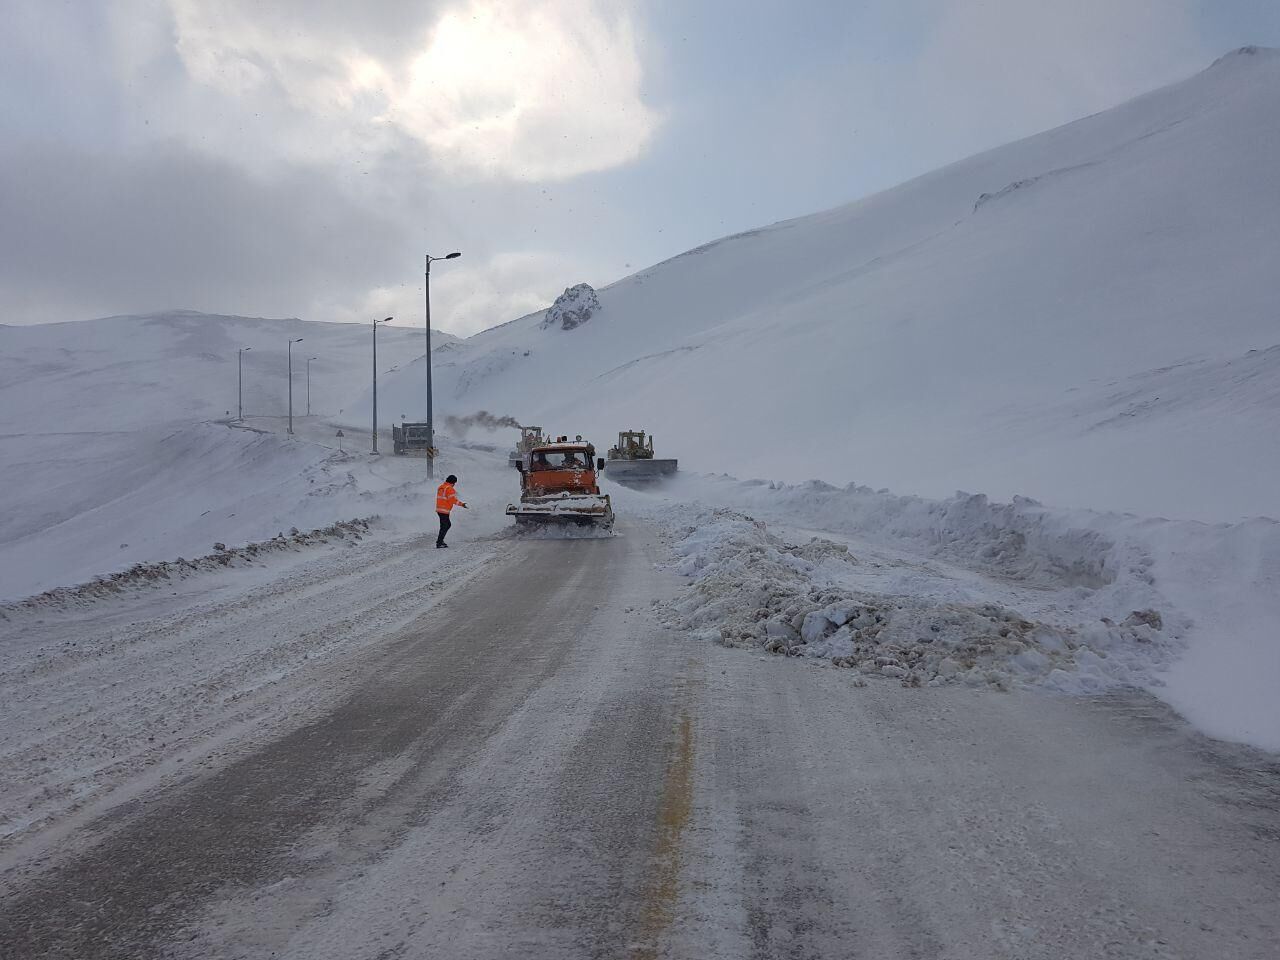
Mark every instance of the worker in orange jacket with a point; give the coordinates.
(446, 500)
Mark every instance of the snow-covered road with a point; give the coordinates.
(511, 755)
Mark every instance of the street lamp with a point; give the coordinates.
(309, 359)
(291, 343)
(375, 381)
(431, 429)
(240, 383)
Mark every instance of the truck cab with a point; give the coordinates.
(555, 467)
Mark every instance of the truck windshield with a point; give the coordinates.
(561, 460)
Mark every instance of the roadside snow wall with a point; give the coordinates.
(753, 588)
(1188, 610)
(1022, 540)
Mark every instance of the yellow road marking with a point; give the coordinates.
(658, 905)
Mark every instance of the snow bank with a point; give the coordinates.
(1022, 540)
(1078, 601)
(752, 588)
(166, 571)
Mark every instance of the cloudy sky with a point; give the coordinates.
(298, 157)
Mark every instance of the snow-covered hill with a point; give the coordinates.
(1088, 317)
(111, 452)
(121, 373)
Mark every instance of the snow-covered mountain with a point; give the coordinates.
(1088, 317)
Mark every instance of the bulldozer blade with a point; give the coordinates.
(565, 508)
(639, 471)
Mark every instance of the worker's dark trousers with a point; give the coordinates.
(445, 524)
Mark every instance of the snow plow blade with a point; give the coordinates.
(593, 509)
(639, 471)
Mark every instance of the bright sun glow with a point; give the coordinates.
(540, 90)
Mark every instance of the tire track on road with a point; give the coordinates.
(438, 692)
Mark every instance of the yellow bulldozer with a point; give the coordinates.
(632, 460)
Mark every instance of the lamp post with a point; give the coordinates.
(431, 429)
(375, 381)
(240, 383)
(309, 359)
(291, 343)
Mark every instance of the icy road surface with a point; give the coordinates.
(532, 766)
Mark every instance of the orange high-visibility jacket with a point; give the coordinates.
(446, 498)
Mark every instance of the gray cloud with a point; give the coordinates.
(279, 159)
(539, 90)
(165, 153)
(91, 234)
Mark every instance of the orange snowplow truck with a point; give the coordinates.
(558, 485)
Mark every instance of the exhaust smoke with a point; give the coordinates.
(483, 418)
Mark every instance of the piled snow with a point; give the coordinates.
(1081, 336)
(817, 599)
(166, 571)
(1078, 601)
(1021, 540)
